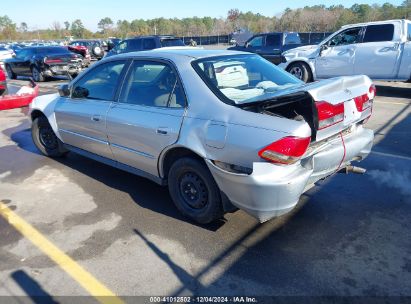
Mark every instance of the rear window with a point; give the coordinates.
(380, 32)
(238, 79)
(171, 42)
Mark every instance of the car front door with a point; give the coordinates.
(271, 50)
(148, 115)
(378, 55)
(338, 54)
(81, 117)
(21, 64)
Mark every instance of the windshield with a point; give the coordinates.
(244, 78)
(172, 42)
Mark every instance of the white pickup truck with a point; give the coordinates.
(380, 50)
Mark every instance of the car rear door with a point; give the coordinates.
(81, 117)
(337, 59)
(148, 115)
(378, 55)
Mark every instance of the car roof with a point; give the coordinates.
(375, 23)
(170, 52)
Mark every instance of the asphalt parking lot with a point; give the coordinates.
(350, 236)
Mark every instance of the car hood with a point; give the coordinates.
(303, 51)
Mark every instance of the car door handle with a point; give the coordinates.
(162, 131)
(96, 117)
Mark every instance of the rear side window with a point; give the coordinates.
(149, 44)
(409, 31)
(134, 45)
(273, 40)
(292, 38)
(152, 84)
(380, 32)
(171, 42)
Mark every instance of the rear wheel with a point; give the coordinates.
(194, 191)
(300, 70)
(10, 72)
(45, 139)
(37, 75)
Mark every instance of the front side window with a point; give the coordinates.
(152, 84)
(244, 78)
(100, 82)
(256, 42)
(409, 31)
(380, 32)
(349, 36)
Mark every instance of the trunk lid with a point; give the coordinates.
(306, 102)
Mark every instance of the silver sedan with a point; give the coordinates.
(222, 129)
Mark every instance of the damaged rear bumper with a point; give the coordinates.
(273, 190)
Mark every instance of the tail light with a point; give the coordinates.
(365, 101)
(287, 150)
(48, 61)
(329, 114)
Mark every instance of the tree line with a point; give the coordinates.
(318, 18)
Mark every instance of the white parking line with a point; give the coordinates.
(393, 103)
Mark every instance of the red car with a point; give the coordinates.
(3, 83)
(82, 50)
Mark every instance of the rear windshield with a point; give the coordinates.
(244, 78)
(171, 42)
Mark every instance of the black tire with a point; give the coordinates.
(45, 139)
(10, 72)
(300, 70)
(194, 191)
(37, 74)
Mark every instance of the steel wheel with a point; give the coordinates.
(193, 190)
(47, 137)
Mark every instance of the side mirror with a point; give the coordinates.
(247, 45)
(323, 47)
(64, 90)
(13, 55)
(80, 92)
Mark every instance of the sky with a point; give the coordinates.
(41, 14)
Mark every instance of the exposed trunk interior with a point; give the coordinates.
(297, 106)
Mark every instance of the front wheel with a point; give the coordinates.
(45, 139)
(301, 71)
(194, 191)
(37, 75)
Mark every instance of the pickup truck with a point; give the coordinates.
(270, 45)
(381, 50)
